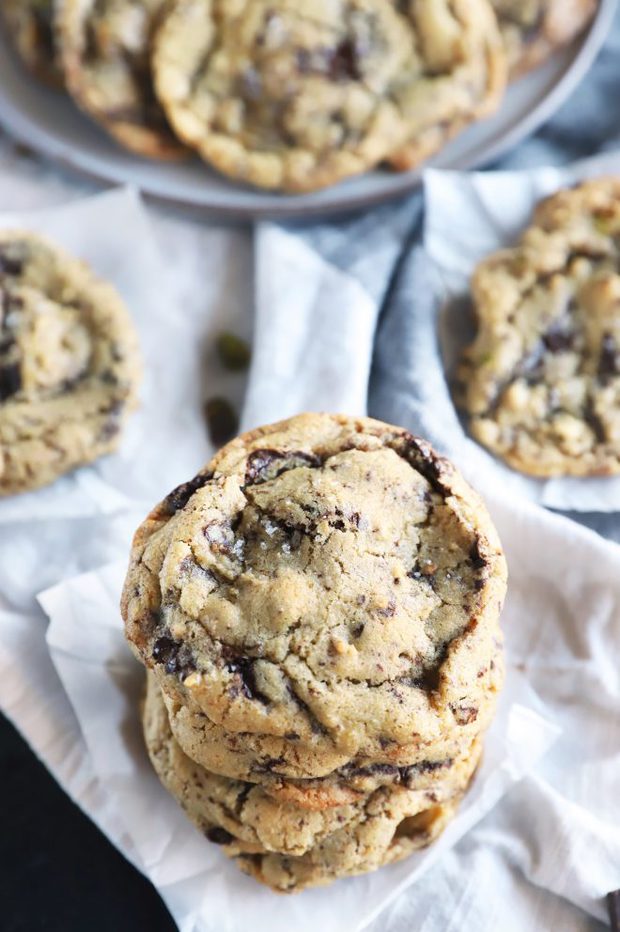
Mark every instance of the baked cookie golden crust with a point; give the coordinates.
(30, 26)
(290, 847)
(105, 53)
(464, 77)
(69, 363)
(299, 95)
(329, 588)
(541, 381)
(533, 29)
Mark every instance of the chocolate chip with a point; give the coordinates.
(180, 496)
(10, 380)
(219, 836)
(358, 630)
(246, 685)
(609, 362)
(264, 465)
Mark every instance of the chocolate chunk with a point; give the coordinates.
(344, 62)
(264, 465)
(477, 560)
(180, 496)
(594, 422)
(557, 339)
(437, 470)
(609, 362)
(246, 685)
(10, 380)
(222, 420)
(358, 630)
(219, 836)
(174, 656)
(292, 736)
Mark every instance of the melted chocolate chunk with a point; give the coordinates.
(219, 836)
(173, 656)
(10, 380)
(264, 465)
(418, 453)
(245, 676)
(609, 362)
(180, 496)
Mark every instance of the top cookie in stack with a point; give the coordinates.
(319, 608)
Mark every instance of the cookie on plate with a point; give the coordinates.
(461, 74)
(30, 26)
(327, 587)
(69, 363)
(533, 29)
(105, 51)
(541, 381)
(299, 95)
(310, 846)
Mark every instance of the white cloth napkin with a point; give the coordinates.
(468, 216)
(559, 827)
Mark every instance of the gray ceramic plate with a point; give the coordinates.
(49, 123)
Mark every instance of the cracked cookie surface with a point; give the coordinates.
(533, 29)
(299, 95)
(327, 589)
(541, 381)
(69, 363)
(318, 844)
(105, 54)
(30, 26)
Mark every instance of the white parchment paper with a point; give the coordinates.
(468, 216)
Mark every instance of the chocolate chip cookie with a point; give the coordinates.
(69, 363)
(462, 74)
(319, 844)
(299, 95)
(533, 29)
(328, 588)
(541, 381)
(30, 26)
(105, 49)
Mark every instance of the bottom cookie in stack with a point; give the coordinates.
(288, 846)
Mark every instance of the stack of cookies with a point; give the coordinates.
(289, 94)
(318, 611)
